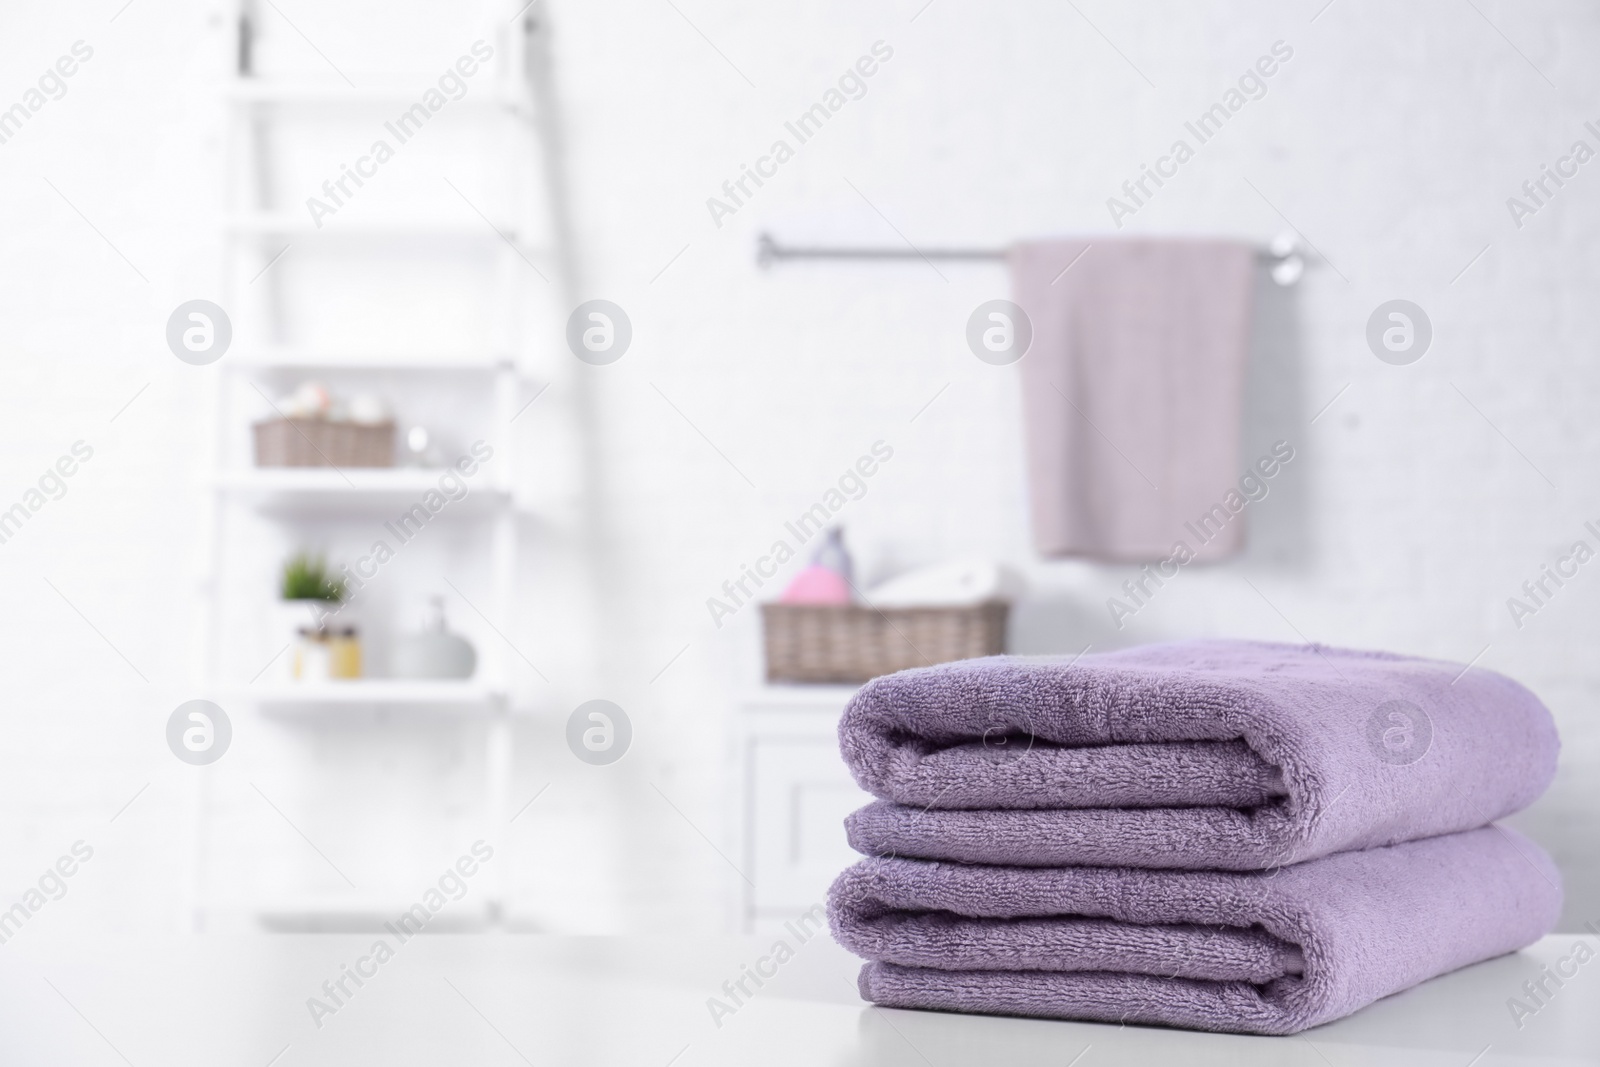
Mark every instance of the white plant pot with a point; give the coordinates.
(288, 618)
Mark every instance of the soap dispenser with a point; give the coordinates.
(433, 652)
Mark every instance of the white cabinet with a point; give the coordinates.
(796, 794)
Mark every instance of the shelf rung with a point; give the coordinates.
(396, 225)
(336, 915)
(325, 492)
(296, 359)
(374, 692)
(267, 91)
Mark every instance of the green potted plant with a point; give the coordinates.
(307, 578)
(309, 592)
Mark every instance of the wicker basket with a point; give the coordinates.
(323, 443)
(844, 643)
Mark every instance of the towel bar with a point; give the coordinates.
(1282, 253)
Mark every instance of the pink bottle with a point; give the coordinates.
(827, 579)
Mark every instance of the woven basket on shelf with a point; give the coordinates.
(845, 643)
(323, 443)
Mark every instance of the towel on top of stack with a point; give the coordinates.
(1099, 812)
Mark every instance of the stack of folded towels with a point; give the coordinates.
(1220, 835)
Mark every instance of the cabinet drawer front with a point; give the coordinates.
(800, 792)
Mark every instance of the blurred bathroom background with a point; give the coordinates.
(596, 152)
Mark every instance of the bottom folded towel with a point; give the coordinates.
(1264, 952)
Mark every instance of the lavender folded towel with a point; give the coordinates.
(1215, 754)
(1266, 952)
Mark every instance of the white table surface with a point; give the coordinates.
(516, 999)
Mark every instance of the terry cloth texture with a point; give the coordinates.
(1199, 754)
(1266, 952)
